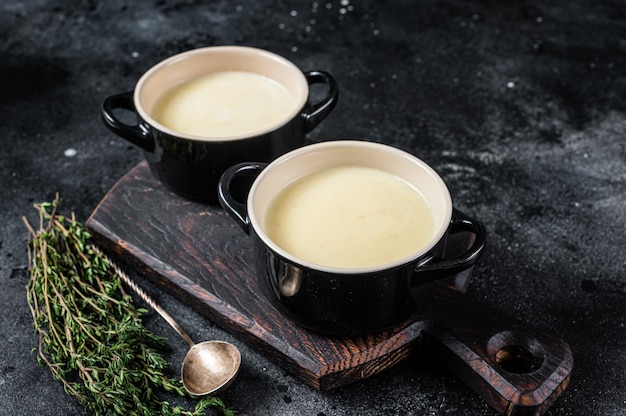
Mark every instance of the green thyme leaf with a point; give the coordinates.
(91, 335)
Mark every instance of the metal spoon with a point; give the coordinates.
(210, 366)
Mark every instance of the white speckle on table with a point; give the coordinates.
(70, 152)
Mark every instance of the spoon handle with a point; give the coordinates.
(146, 298)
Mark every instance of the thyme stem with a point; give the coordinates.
(91, 335)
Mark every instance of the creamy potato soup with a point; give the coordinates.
(350, 217)
(224, 104)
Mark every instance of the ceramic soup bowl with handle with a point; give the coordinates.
(348, 299)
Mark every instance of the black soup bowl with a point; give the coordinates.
(190, 163)
(341, 300)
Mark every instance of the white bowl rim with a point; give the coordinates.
(440, 232)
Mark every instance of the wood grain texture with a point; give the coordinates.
(200, 255)
(518, 369)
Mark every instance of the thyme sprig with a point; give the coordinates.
(91, 335)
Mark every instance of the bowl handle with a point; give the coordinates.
(435, 268)
(236, 208)
(315, 113)
(135, 134)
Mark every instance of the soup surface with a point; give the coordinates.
(350, 217)
(224, 104)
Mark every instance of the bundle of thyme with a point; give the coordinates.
(91, 336)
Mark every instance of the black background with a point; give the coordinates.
(520, 106)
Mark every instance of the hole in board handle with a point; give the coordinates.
(515, 359)
(516, 352)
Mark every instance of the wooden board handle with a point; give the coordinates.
(519, 370)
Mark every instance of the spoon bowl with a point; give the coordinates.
(210, 367)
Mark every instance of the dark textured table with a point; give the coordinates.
(521, 108)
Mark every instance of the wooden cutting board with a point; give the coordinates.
(199, 254)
